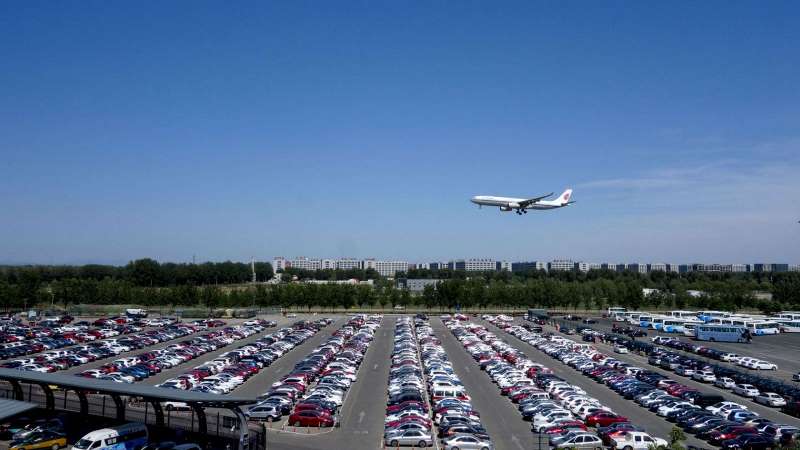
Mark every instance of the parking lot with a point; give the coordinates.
(360, 416)
(781, 349)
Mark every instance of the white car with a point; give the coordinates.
(745, 361)
(764, 365)
(746, 390)
(637, 440)
(670, 407)
(771, 399)
(542, 422)
(722, 406)
(705, 376)
(620, 349)
(796, 377)
(730, 357)
(725, 382)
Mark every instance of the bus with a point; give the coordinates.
(708, 316)
(632, 317)
(719, 333)
(645, 320)
(657, 322)
(790, 315)
(789, 326)
(613, 311)
(689, 329)
(673, 325)
(760, 327)
(682, 314)
(131, 436)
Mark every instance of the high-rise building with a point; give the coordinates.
(279, 263)
(561, 264)
(475, 264)
(348, 264)
(390, 268)
(581, 266)
(528, 266)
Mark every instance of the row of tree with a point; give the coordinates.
(455, 293)
(147, 282)
(141, 272)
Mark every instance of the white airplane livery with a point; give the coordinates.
(522, 205)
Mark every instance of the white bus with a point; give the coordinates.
(632, 317)
(790, 315)
(673, 325)
(761, 327)
(682, 314)
(708, 316)
(657, 322)
(645, 320)
(614, 311)
(689, 328)
(789, 326)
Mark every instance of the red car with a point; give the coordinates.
(311, 418)
(716, 437)
(565, 427)
(416, 419)
(604, 419)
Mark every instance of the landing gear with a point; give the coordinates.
(519, 213)
(522, 211)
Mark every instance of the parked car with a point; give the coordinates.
(770, 399)
(746, 390)
(636, 440)
(416, 438)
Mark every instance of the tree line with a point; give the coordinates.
(141, 272)
(149, 283)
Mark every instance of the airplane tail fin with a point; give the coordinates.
(564, 197)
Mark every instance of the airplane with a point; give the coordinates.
(522, 205)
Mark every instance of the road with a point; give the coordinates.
(653, 423)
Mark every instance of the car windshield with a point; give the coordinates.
(82, 444)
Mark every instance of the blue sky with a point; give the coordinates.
(173, 129)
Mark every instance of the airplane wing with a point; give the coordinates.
(531, 201)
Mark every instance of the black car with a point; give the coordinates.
(749, 442)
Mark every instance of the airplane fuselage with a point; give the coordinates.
(511, 203)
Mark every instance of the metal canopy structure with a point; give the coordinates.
(9, 408)
(133, 390)
(82, 386)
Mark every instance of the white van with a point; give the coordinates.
(131, 436)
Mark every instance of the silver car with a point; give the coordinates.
(268, 412)
(467, 442)
(581, 441)
(417, 438)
